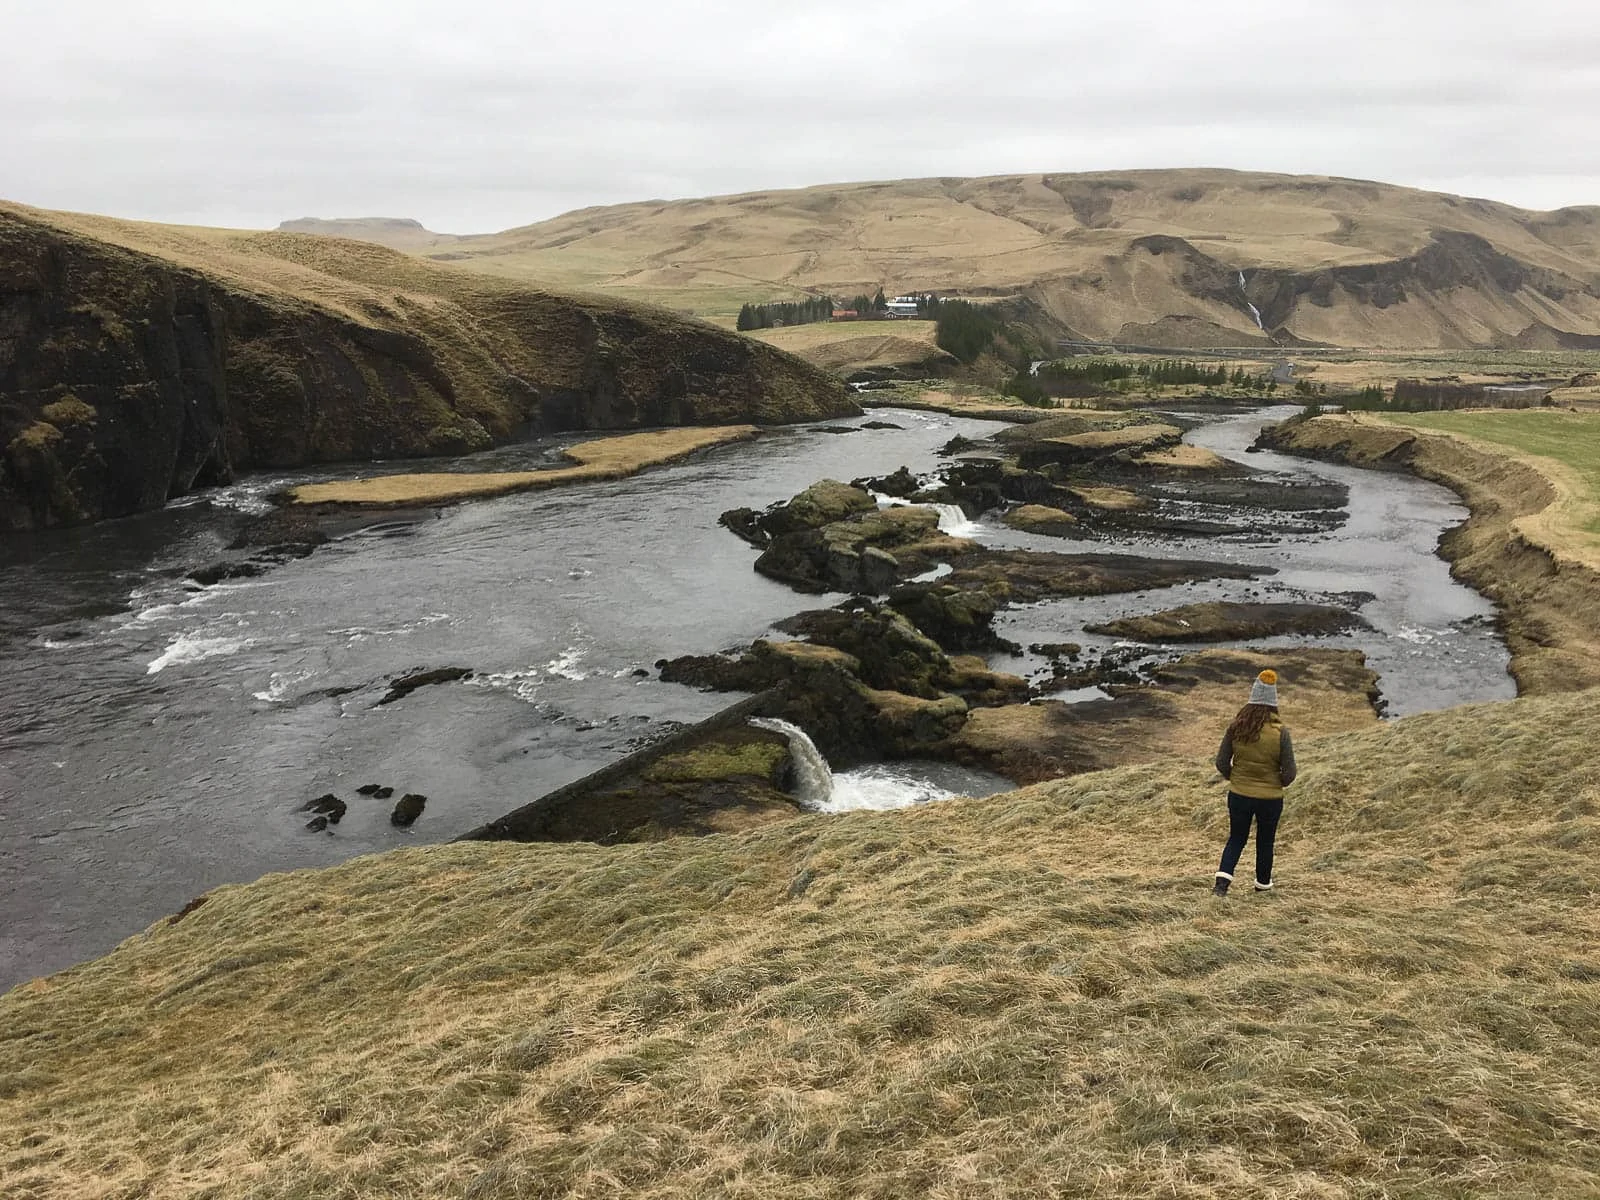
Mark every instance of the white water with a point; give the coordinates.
(952, 519)
(880, 787)
(1254, 311)
(813, 777)
(188, 648)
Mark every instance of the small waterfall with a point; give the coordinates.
(952, 519)
(1254, 311)
(813, 778)
(878, 786)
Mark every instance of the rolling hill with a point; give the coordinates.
(1172, 258)
(138, 361)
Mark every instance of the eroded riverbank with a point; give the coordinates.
(1545, 598)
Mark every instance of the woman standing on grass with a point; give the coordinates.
(1257, 759)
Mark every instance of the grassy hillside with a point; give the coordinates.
(1031, 994)
(142, 360)
(844, 348)
(1136, 256)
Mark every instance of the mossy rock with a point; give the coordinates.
(909, 724)
(823, 503)
(68, 411)
(725, 758)
(1042, 519)
(1226, 622)
(1090, 447)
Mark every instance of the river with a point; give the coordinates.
(157, 739)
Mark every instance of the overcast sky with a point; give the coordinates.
(477, 116)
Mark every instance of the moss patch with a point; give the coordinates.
(68, 411)
(720, 760)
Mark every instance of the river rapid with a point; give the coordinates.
(157, 738)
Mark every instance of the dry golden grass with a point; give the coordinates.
(844, 347)
(606, 458)
(1112, 499)
(1184, 458)
(963, 403)
(1067, 240)
(474, 347)
(1026, 995)
(1352, 370)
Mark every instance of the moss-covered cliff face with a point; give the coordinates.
(139, 362)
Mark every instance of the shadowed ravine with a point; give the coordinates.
(159, 738)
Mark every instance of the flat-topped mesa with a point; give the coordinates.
(139, 362)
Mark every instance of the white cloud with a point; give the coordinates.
(484, 116)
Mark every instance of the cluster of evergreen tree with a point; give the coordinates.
(963, 329)
(1093, 371)
(1025, 386)
(1373, 398)
(869, 307)
(1074, 375)
(786, 312)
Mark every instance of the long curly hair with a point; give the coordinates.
(1252, 719)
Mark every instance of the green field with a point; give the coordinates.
(1569, 439)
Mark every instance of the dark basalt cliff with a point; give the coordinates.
(1451, 260)
(129, 376)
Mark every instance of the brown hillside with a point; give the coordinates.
(138, 361)
(1132, 256)
(1024, 996)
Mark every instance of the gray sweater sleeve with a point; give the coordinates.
(1287, 769)
(1225, 756)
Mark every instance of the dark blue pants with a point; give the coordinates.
(1241, 811)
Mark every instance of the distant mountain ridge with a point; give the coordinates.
(398, 233)
(1174, 257)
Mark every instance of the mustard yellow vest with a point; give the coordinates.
(1254, 771)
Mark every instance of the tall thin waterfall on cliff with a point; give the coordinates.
(1254, 311)
(813, 778)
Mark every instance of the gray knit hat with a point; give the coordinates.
(1265, 689)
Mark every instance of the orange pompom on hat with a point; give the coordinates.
(1265, 688)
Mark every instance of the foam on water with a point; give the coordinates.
(360, 633)
(281, 686)
(190, 648)
(565, 665)
(880, 787)
(1416, 635)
